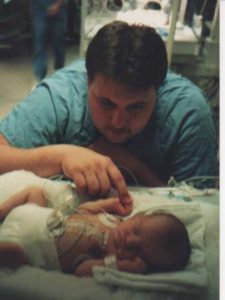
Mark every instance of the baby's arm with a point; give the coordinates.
(134, 265)
(12, 255)
(86, 267)
(110, 205)
(32, 194)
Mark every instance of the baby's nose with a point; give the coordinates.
(132, 243)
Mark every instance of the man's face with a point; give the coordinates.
(119, 112)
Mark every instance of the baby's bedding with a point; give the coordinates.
(199, 281)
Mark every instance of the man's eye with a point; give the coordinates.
(136, 107)
(107, 104)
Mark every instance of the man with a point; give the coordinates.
(49, 22)
(136, 116)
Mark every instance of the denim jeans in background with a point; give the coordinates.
(47, 29)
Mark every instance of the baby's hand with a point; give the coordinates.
(127, 205)
(110, 205)
(133, 265)
(123, 208)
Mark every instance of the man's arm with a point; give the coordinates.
(92, 173)
(35, 159)
(31, 194)
(128, 162)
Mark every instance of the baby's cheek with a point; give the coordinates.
(141, 265)
(124, 254)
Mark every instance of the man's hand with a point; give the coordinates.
(93, 173)
(131, 166)
(125, 161)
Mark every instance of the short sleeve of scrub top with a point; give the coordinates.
(55, 112)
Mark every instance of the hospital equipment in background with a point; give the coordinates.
(190, 29)
(191, 39)
(14, 17)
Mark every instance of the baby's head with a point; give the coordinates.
(160, 240)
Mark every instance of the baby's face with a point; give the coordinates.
(136, 237)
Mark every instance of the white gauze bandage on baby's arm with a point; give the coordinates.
(110, 262)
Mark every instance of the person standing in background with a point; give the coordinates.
(48, 19)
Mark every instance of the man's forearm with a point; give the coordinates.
(43, 161)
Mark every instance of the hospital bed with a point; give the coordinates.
(199, 211)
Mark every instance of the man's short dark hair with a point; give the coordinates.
(133, 54)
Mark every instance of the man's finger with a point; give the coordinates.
(80, 182)
(93, 185)
(104, 182)
(118, 182)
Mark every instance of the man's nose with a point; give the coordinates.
(118, 118)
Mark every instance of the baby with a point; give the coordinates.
(43, 237)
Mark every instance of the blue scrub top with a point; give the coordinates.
(179, 140)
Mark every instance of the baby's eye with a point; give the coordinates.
(136, 229)
(135, 250)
